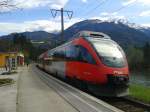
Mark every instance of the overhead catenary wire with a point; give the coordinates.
(121, 8)
(85, 7)
(115, 11)
(97, 6)
(88, 5)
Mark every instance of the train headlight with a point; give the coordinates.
(118, 72)
(118, 79)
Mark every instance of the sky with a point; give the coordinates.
(35, 15)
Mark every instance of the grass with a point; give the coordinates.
(140, 93)
(9, 73)
(6, 81)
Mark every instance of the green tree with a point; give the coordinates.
(23, 44)
(134, 57)
(146, 50)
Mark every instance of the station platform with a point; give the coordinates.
(35, 96)
(37, 91)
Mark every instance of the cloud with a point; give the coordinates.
(104, 14)
(115, 15)
(141, 2)
(84, 1)
(145, 13)
(41, 3)
(128, 2)
(146, 25)
(44, 25)
(100, 18)
(26, 4)
(108, 14)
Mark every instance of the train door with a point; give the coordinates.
(86, 68)
(60, 65)
(71, 61)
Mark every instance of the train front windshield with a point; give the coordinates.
(110, 53)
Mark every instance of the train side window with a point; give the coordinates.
(55, 54)
(68, 52)
(62, 53)
(85, 56)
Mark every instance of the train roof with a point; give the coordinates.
(91, 34)
(44, 55)
(88, 35)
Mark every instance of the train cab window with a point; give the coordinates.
(71, 53)
(85, 56)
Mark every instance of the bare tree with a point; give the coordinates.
(7, 6)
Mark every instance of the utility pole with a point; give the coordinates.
(62, 24)
(62, 11)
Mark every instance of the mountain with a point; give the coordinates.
(35, 36)
(146, 31)
(39, 35)
(40, 39)
(123, 32)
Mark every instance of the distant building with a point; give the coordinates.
(20, 59)
(11, 59)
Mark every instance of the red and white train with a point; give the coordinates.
(91, 60)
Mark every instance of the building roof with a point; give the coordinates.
(8, 52)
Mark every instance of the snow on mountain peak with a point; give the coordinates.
(123, 21)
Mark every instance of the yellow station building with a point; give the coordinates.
(12, 58)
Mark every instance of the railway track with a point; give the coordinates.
(126, 104)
